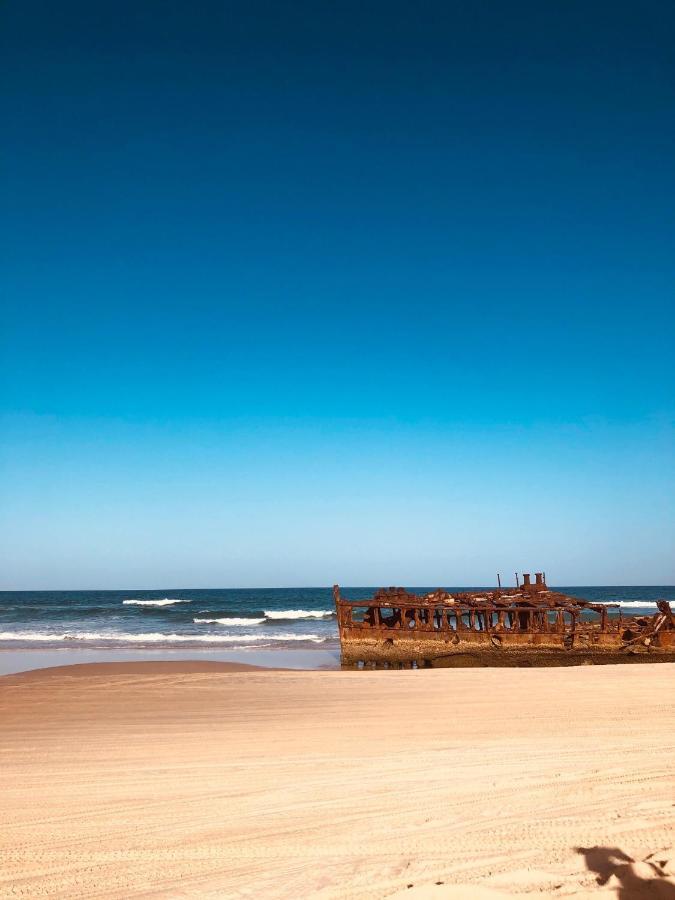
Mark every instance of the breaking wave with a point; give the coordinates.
(154, 637)
(270, 616)
(289, 614)
(30, 636)
(233, 622)
(637, 604)
(165, 602)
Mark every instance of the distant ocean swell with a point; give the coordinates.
(238, 619)
(233, 622)
(276, 615)
(284, 615)
(154, 637)
(299, 614)
(165, 602)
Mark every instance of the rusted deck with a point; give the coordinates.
(525, 626)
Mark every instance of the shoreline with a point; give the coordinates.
(14, 661)
(143, 667)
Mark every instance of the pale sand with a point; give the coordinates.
(182, 781)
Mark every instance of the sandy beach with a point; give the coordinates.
(186, 780)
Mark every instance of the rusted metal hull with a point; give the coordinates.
(525, 626)
(406, 653)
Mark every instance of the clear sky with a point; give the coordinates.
(376, 293)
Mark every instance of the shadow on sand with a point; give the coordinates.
(611, 861)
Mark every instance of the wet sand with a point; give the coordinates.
(23, 660)
(196, 779)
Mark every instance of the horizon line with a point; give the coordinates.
(308, 587)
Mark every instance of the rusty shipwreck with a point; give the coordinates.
(528, 625)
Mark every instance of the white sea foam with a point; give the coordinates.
(636, 604)
(154, 637)
(165, 602)
(30, 636)
(235, 622)
(298, 614)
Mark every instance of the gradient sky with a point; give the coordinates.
(376, 293)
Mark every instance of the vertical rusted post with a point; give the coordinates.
(338, 610)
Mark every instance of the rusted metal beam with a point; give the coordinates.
(531, 623)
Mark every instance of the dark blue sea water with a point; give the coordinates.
(237, 619)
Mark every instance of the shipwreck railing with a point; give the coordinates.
(372, 618)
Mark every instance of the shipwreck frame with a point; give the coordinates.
(529, 625)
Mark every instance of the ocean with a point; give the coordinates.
(240, 619)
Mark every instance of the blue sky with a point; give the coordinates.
(376, 293)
